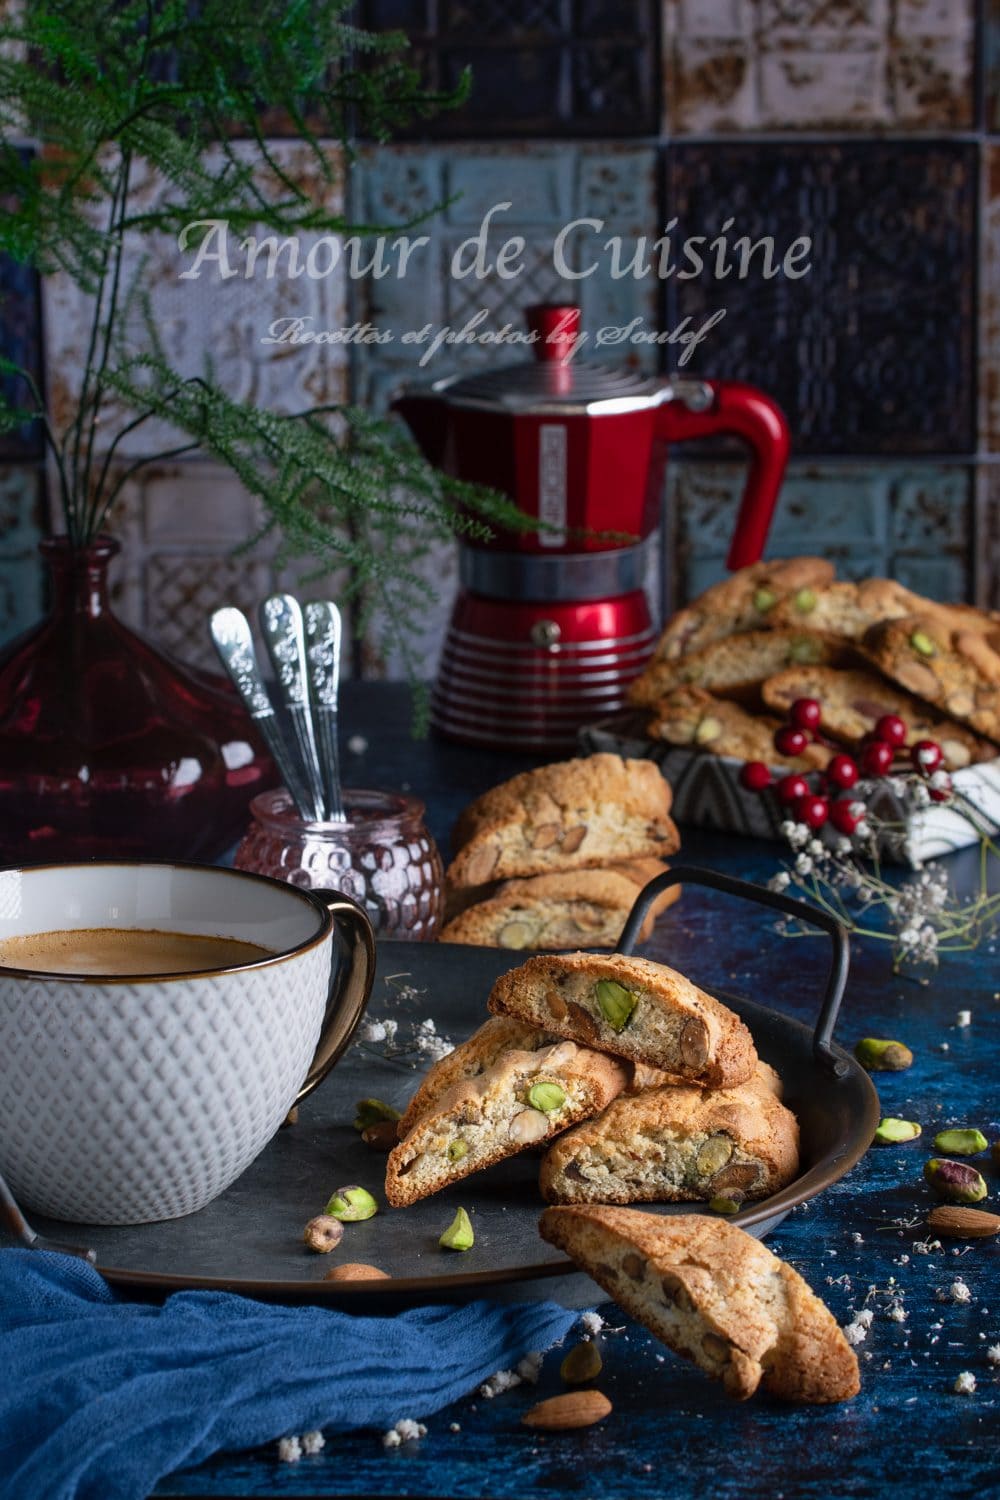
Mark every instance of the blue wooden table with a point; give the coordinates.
(863, 1244)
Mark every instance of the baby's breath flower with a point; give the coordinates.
(803, 864)
(779, 882)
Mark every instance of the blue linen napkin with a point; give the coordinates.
(100, 1398)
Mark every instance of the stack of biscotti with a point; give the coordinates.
(744, 651)
(661, 1081)
(555, 857)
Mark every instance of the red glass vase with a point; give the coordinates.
(108, 748)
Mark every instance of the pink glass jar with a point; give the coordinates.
(382, 856)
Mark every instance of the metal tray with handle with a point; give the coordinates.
(250, 1239)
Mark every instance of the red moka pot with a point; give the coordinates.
(552, 623)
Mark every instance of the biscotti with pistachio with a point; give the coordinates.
(735, 665)
(745, 601)
(522, 1099)
(715, 1295)
(561, 910)
(691, 716)
(956, 670)
(573, 814)
(632, 1008)
(676, 1144)
(497, 1035)
(852, 701)
(849, 609)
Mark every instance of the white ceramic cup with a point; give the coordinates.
(129, 1099)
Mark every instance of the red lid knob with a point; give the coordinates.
(557, 325)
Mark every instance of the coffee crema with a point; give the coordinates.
(112, 951)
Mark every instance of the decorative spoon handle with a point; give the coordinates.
(231, 634)
(281, 624)
(323, 631)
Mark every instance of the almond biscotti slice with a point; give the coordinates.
(734, 665)
(632, 1008)
(715, 1295)
(764, 1078)
(573, 814)
(849, 609)
(522, 1099)
(690, 716)
(957, 670)
(561, 910)
(470, 1058)
(676, 1145)
(852, 701)
(745, 601)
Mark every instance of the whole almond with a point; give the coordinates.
(575, 1409)
(356, 1271)
(959, 1223)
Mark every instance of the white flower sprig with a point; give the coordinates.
(922, 917)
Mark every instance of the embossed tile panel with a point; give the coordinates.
(214, 320)
(181, 526)
(547, 188)
(539, 67)
(987, 549)
(21, 585)
(744, 65)
(911, 522)
(873, 350)
(20, 341)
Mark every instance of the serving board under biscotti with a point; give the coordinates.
(250, 1239)
(708, 794)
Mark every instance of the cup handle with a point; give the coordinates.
(350, 983)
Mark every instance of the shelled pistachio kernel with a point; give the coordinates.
(763, 600)
(352, 1204)
(582, 1363)
(727, 1203)
(880, 1056)
(616, 1003)
(921, 642)
(546, 1097)
(960, 1142)
(459, 1234)
(954, 1181)
(805, 601)
(892, 1132)
(457, 1149)
(707, 729)
(373, 1112)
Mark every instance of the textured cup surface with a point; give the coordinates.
(123, 1101)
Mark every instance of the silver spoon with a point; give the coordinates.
(281, 626)
(323, 633)
(231, 633)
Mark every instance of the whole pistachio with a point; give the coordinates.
(881, 1056)
(457, 1149)
(763, 600)
(323, 1233)
(922, 643)
(582, 1363)
(960, 1142)
(546, 1097)
(616, 1003)
(352, 1204)
(954, 1181)
(805, 601)
(893, 1132)
(373, 1112)
(459, 1234)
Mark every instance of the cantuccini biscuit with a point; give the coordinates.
(957, 670)
(714, 1295)
(690, 716)
(574, 814)
(497, 1035)
(522, 1099)
(561, 910)
(849, 609)
(737, 664)
(676, 1144)
(632, 1008)
(745, 601)
(852, 701)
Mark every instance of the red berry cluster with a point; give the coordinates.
(878, 754)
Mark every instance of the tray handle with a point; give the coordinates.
(814, 916)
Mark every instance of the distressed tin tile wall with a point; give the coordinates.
(871, 125)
